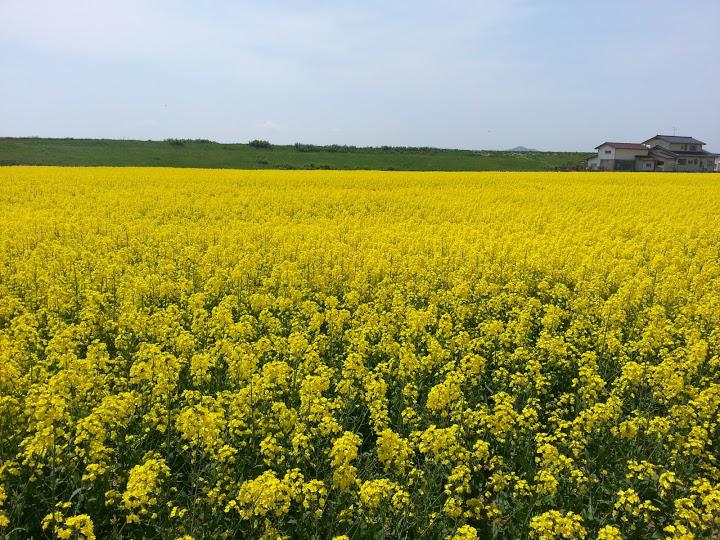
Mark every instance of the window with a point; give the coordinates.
(693, 147)
(660, 163)
(684, 146)
(682, 161)
(608, 151)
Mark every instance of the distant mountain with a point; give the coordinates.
(522, 149)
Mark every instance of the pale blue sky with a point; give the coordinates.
(492, 74)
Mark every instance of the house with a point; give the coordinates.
(616, 156)
(659, 153)
(682, 154)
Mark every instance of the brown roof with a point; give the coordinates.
(624, 145)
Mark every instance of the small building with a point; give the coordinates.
(617, 156)
(659, 153)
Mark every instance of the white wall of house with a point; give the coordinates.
(608, 152)
(668, 165)
(694, 164)
(622, 153)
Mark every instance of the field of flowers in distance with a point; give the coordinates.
(190, 353)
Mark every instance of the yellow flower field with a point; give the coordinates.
(191, 353)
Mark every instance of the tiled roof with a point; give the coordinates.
(624, 145)
(662, 152)
(676, 139)
(673, 154)
(698, 153)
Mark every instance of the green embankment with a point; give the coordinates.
(174, 153)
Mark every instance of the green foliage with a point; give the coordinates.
(183, 142)
(208, 154)
(258, 143)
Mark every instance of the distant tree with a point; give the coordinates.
(183, 142)
(259, 143)
(301, 147)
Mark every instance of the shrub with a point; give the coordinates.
(258, 143)
(301, 147)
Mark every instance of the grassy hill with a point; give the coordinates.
(207, 154)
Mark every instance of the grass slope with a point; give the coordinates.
(88, 152)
